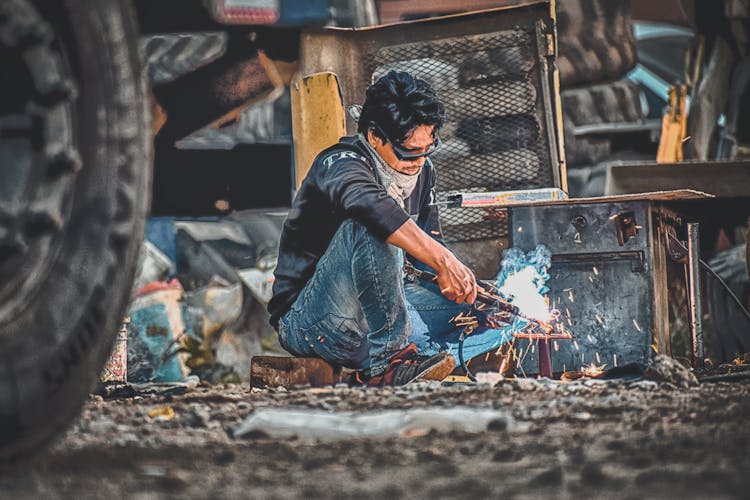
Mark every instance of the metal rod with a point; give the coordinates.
(545, 359)
(723, 283)
(696, 315)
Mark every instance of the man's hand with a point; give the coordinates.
(456, 281)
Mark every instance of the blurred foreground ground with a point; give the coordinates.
(587, 438)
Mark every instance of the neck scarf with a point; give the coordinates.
(398, 185)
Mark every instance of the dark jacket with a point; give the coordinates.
(342, 184)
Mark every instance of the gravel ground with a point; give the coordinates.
(587, 438)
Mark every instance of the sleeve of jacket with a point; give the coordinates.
(429, 216)
(352, 188)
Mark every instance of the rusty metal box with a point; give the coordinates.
(607, 279)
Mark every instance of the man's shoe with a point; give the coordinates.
(408, 366)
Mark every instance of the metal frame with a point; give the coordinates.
(346, 52)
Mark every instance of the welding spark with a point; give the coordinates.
(528, 349)
(614, 358)
(522, 286)
(637, 327)
(570, 297)
(598, 358)
(567, 312)
(575, 344)
(466, 321)
(591, 280)
(593, 370)
(596, 271)
(599, 319)
(557, 347)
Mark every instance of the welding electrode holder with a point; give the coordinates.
(483, 296)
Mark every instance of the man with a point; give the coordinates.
(339, 290)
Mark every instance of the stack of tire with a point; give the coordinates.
(596, 49)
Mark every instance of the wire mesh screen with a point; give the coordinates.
(495, 135)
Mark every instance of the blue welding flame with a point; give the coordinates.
(431, 329)
(514, 259)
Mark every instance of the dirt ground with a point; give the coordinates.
(587, 438)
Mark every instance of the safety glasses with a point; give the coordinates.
(406, 154)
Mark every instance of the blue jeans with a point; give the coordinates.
(432, 330)
(357, 312)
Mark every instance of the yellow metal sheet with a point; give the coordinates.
(318, 119)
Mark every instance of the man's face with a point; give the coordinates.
(419, 140)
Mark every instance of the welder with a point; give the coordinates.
(367, 203)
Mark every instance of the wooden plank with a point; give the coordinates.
(674, 195)
(660, 324)
(666, 195)
(274, 371)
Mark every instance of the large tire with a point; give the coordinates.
(74, 192)
(609, 103)
(596, 41)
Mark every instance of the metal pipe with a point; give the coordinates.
(545, 359)
(694, 288)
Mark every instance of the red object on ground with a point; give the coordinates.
(172, 284)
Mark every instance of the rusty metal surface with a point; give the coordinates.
(393, 11)
(601, 280)
(493, 72)
(720, 178)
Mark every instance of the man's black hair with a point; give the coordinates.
(397, 103)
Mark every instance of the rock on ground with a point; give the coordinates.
(588, 438)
